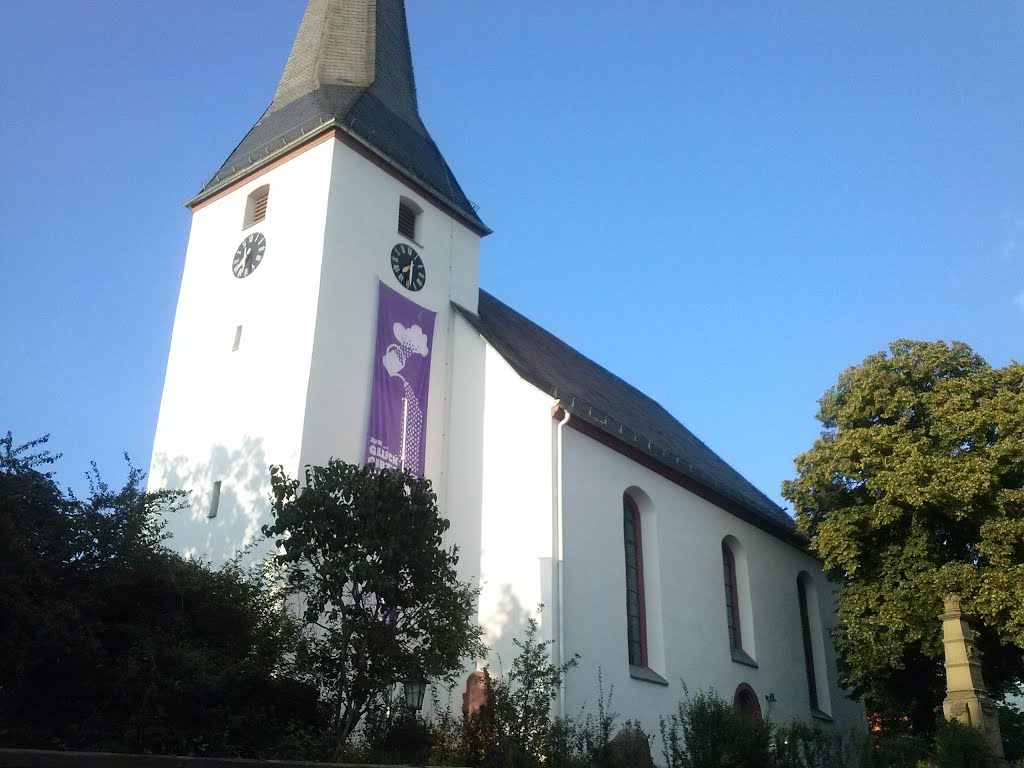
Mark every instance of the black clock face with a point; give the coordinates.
(249, 255)
(408, 267)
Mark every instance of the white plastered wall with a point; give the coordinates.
(362, 228)
(500, 492)
(227, 415)
(687, 628)
(297, 390)
(502, 511)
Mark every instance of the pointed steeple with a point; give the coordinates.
(350, 70)
(358, 43)
(335, 45)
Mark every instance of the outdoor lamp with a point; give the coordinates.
(415, 688)
(770, 698)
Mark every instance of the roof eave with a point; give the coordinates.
(595, 430)
(214, 190)
(473, 223)
(341, 131)
(600, 430)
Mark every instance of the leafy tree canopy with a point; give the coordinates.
(361, 549)
(915, 489)
(112, 642)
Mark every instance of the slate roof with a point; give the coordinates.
(383, 114)
(598, 396)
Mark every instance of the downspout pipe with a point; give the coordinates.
(562, 415)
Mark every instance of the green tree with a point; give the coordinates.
(514, 725)
(110, 641)
(915, 489)
(361, 551)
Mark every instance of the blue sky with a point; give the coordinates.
(724, 203)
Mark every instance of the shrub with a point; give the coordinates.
(631, 748)
(113, 642)
(595, 730)
(1011, 726)
(514, 727)
(951, 745)
(805, 745)
(447, 731)
(706, 732)
(902, 750)
(960, 746)
(390, 734)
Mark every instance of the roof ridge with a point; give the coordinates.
(590, 360)
(515, 337)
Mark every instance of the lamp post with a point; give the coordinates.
(415, 687)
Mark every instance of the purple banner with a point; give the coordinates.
(396, 437)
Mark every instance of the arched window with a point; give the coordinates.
(732, 599)
(745, 701)
(636, 619)
(805, 631)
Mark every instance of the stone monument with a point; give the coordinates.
(967, 698)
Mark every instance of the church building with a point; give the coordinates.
(330, 307)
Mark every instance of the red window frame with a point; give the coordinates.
(732, 601)
(745, 700)
(631, 518)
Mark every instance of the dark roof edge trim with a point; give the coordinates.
(439, 199)
(215, 190)
(584, 426)
(343, 133)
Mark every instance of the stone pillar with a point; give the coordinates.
(966, 696)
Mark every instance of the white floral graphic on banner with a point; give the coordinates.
(409, 341)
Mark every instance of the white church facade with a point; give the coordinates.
(564, 485)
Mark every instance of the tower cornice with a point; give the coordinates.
(314, 138)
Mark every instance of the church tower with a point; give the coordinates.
(337, 190)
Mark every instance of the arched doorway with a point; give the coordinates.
(745, 701)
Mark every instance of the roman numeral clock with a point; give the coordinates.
(408, 267)
(249, 255)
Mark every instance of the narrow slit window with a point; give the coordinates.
(732, 603)
(805, 632)
(408, 218)
(238, 339)
(214, 500)
(636, 619)
(256, 206)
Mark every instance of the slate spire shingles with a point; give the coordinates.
(350, 67)
(335, 45)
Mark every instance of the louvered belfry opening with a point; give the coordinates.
(256, 206)
(260, 206)
(407, 215)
